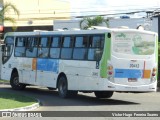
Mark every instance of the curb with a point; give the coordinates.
(26, 108)
(3, 83)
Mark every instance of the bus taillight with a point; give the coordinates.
(110, 67)
(154, 71)
(110, 72)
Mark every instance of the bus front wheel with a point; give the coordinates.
(14, 82)
(63, 88)
(103, 94)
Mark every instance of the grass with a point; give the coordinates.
(4, 81)
(10, 101)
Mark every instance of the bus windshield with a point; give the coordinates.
(133, 43)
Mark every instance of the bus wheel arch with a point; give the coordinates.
(14, 71)
(62, 85)
(59, 76)
(14, 80)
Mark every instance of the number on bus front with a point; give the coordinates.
(134, 65)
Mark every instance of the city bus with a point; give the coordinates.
(102, 61)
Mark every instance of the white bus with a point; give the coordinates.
(99, 61)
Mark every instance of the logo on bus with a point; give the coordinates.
(122, 36)
(137, 38)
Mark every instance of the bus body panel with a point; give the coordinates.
(132, 72)
(80, 74)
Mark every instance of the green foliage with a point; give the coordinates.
(87, 22)
(6, 9)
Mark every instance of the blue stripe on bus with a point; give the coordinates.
(48, 65)
(128, 73)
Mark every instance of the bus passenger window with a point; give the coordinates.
(80, 49)
(20, 51)
(80, 53)
(44, 42)
(66, 53)
(55, 42)
(96, 44)
(54, 52)
(43, 52)
(81, 41)
(55, 47)
(31, 50)
(43, 48)
(20, 47)
(67, 44)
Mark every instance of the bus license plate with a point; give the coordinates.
(132, 80)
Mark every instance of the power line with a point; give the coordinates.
(89, 13)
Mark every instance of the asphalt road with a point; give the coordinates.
(50, 101)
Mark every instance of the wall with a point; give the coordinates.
(69, 24)
(39, 12)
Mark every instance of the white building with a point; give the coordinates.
(148, 24)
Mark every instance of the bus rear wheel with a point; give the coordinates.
(14, 82)
(103, 94)
(63, 88)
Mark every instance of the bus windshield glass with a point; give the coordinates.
(133, 43)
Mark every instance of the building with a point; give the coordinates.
(150, 24)
(66, 24)
(37, 14)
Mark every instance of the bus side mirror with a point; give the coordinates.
(2, 48)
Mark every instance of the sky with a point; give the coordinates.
(91, 7)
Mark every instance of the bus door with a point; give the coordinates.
(6, 56)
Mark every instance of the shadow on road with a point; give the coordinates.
(51, 98)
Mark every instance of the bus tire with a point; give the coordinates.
(103, 94)
(63, 88)
(14, 82)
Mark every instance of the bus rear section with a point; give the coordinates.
(132, 61)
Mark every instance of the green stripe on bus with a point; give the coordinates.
(106, 56)
(157, 54)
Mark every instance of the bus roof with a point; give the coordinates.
(70, 32)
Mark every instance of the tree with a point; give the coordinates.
(7, 7)
(87, 22)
